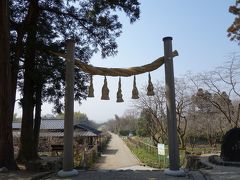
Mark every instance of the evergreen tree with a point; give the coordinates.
(94, 25)
(6, 138)
(234, 29)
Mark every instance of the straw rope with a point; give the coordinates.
(118, 71)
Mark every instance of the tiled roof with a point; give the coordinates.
(45, 124)
(60, 134)
(52, 124)
(87, 128)
(57, 126)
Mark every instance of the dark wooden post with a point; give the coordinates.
(171, 111)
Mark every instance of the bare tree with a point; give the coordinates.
(111, 125)
(215, 107)
(224, 84)
(183, 105)
(155, 108)
(206, 117)
(124, 124)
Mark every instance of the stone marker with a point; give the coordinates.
(230, 148)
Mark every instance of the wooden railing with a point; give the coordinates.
(148, 147)
(153, 149)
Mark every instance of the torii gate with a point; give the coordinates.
(174, 168)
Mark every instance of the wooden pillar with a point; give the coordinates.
(171, 111)
(68, 162)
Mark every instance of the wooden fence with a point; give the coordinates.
(148, 147)
(154, 150)
(84, 157)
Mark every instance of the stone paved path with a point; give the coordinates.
(219, 172)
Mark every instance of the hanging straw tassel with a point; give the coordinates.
(150, 87)
(105, 90)
(135, 90)
(90, 89)
(119, 92)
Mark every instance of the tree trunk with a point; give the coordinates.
(6, 138)
(26, 151)
(182, 141)
(37, 123)
(26, 140)
(15, 69)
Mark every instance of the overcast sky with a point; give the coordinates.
(199, 34)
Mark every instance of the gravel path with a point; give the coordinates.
(116, 156)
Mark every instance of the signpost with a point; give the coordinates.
(161, 149)
(161, 152)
